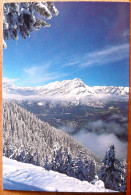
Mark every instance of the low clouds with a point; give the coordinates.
(115, 124)
(100, 134)
(104, 56)
(100, 143)
(118, 117)
(69, 129)
(100, 126)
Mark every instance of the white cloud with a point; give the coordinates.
(40, 74)
(74, 62)
(100, 143)
(104, 56)
(31, 71)
(7, 80)
(113, 126)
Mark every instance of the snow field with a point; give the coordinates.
(23, 176)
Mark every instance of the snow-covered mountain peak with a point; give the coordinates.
(74, 89)
(78, 82)
(66, 83)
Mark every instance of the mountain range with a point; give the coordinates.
(68, 90)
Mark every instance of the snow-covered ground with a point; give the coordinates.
(23, 176)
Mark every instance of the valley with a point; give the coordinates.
(81, 111)
(73, 118)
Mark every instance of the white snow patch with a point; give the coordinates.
(40, 104)
(68, 90)
(23, 176)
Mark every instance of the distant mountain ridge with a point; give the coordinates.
(74, 89)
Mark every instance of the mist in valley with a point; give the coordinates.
(99, 135)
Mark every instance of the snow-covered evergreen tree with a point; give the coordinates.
(82, 169)
(123, 176)
(23, 18)
(28, 139)
(111, 171)
(92, 171)
(60, 161)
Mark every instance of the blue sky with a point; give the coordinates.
(86, 40)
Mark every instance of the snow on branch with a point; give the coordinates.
(23, 18)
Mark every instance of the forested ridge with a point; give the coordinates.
(28, 139)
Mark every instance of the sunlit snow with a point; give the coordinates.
(66, 90)
(23, 176)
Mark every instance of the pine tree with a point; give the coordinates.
(123, 176)
(92, 171)
(111, 170)
(28, 139)
(23, 18)
(82, 170)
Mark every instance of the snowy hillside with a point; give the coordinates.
(28, 139)
(21, 176)
(67, 90)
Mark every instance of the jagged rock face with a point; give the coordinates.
(28, 139)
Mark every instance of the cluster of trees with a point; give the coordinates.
(28, 139)
(112, 172)
(62, 162)
(23, 18)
